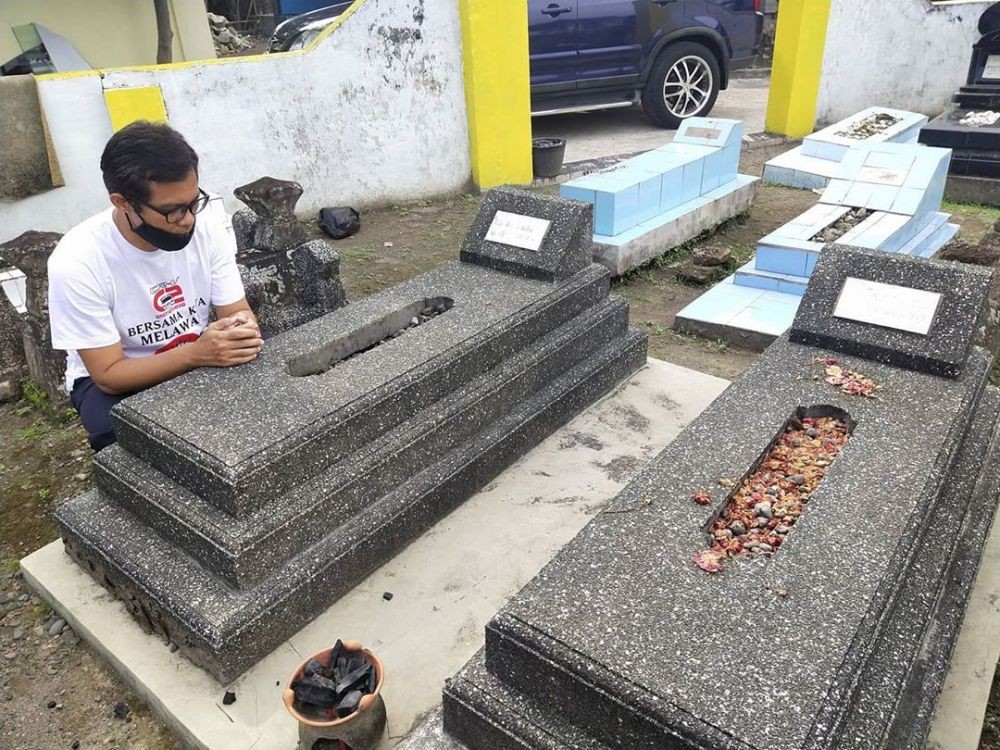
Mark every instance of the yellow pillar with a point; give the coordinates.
(125, 106)
(497, 90)
(795, 70)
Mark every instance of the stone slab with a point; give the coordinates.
(979, 190)
(668, 230)
(942, 351)
(958, 718)
(841, 563)
(240, 436)
(564, 249)
(444, 592)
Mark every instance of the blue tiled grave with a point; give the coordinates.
(818, 159)
(658, 200)
(890, 192)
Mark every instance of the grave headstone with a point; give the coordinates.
(664, 197)
(240, 502)
(817, 160)
(667, 623)
(289, 279)
(30, 252)
(972, 126)
(884, 197)
(13, 364)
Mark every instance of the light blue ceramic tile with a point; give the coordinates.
(881, 159)
(779, 298)
(835, 191)
(781, 261)
(811, 260)
(691, 186)
(765, 317)
(851, 163)
(753, 281)
(672, 189)
(882, 197)
(907, 201)
(649, 199)
(711, 173)
(787, 288)
(571, 192)
(858, 195)
(774, 175)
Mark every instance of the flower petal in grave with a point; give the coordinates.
(709, 560)
(702, 498)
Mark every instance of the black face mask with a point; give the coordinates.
(161, 238)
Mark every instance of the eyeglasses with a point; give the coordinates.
(177, 213)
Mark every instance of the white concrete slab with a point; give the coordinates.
(446, 585)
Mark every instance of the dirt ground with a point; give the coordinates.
(55, 693)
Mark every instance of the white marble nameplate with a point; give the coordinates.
(992, 67)
(526, 232)
(710, 133)
(880, 176)
(887, 305)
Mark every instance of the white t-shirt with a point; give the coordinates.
(103, 290)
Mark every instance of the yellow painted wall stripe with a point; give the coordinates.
(138, 103)
(797, 65)
(497, 90)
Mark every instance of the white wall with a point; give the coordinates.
(375, 113)
(905, 54)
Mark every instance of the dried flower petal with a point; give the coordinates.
(702, 498)
(709, 560)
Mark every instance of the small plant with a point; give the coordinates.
(40, 610)
(654, 328)
(44, 493)
(33, 432)
(35, 395)
(67, 415)
(9, 566)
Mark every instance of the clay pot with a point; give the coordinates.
(361, 730)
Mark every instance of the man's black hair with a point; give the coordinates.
(145, 152)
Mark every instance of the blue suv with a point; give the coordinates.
(672, 55)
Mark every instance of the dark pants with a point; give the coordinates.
(94, 407)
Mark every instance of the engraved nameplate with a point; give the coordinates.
(992, 67)
(526, 232)
(709, 133)
(881, 176)
(887, 305)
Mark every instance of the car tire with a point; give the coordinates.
(677, 88)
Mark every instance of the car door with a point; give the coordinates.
(552, 44)
(736, 20)
(610, 36)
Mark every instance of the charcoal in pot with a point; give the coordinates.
(352, 679)
(349, 703)
(313, 667)
(316, 690)
(335, 653)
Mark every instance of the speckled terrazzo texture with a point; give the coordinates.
(942, 351)
(239, 503)
(566, 249)
(626, 638)
(239, 437)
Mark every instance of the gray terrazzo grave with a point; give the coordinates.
(839, 640)
(239, 503)
(941, 351)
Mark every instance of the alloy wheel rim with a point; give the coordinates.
(687, 86)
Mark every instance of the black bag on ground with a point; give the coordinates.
(339, 222)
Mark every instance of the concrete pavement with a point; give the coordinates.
(592, 135)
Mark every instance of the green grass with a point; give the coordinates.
(34, 432)
(977, 209)
(10, 566)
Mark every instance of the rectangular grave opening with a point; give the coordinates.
(870, 126)
(837, 229)
(395, 324)
(769, 499)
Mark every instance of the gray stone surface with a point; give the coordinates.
(565, 250)
(13, 364)
(286, 288)
(273, 201)
(956, 323)
(287, 481)
(30, 252)
(240, 436)
(244, 225)
(23, 152)
(622, 636)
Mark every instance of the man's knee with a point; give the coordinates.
(94, 407)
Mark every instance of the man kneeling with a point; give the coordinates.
(132, 288)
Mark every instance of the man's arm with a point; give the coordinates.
(228, 341)
(240, 306)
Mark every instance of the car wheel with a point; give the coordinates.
(683, 83)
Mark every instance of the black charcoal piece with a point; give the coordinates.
(387, 596)
(316, 690)
(349, 703)
(313, 667)
(352, 678)
(229, 698)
